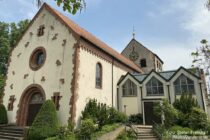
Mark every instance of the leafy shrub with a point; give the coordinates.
(183, 119)
(3, 115)
(122, 136)
(186, 103)
(91, 110)
(70, 126)
(96, 111)
(116, 116)
(127, 135)
(2, 80)
(86, 129)
(170, 113)
(136, 118)
(198, 119)
(113, 114)
(160, 131)
(101, 114)
(69, 137)
(175, 129)
(45, 124)
(208, 128)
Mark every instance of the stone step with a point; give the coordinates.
(146, 134)
(147, 137)
(144, 126)
(11, 131)
(11, 134)
(12, 128)
(10, 138)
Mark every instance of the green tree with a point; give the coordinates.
(169, 112)
(208, 4)
(1, 86)
(86, 130)
(9, 34)
(202, 56)
(185, 103)
(46, 123)
(3, 115)
(72, 6)
(4, 46)
(198, 119)
(17, 30)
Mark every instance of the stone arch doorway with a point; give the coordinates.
(29, 105)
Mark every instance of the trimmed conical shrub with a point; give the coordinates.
(3, 115)
(46, 123)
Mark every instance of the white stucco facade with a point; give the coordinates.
(86, 81)
(19, 65)
(68, 70)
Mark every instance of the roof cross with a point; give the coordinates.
(134, 32)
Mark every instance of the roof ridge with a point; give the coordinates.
(93, 39)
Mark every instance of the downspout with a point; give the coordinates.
(202, 97)
(118, 106)
(142, 108)
(112, 83)
(169, 96)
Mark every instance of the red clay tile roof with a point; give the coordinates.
(85, 34)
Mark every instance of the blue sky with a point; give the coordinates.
(170, 28)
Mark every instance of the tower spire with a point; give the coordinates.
(134, 34)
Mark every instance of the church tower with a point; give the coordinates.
(142, 56)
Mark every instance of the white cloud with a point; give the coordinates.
(194, 20)
(198, 22)
(174, 55)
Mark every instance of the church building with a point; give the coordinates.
(57, 59)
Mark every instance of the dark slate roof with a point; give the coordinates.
(140, 77)
(166, 74)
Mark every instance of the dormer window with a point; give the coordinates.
(129, 89)
(40, 31)
(154, 87)
(143, 63)
(184, 85)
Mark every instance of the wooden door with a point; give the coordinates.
(150, 117)
(32, 112)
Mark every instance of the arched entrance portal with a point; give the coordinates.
(30, 104)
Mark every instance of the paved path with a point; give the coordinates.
(113, 134)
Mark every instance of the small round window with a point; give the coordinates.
(37, 58)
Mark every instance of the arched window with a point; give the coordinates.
(98, 75)
(154, 87)
(184, 85)
(143, 63)
(129, 88)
